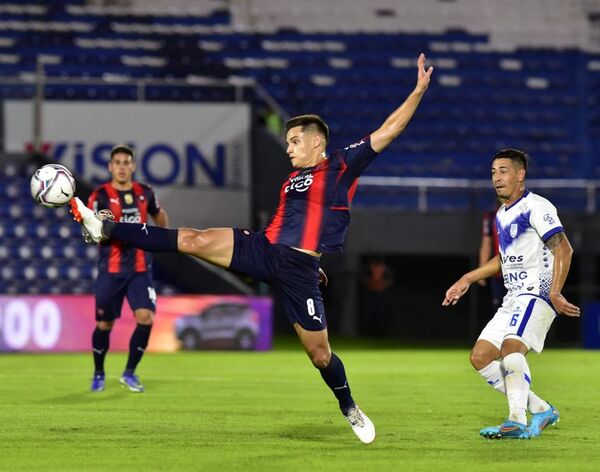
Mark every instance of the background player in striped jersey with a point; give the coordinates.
(123, 270)
(312, 218)
(535, 256)
(489, 248)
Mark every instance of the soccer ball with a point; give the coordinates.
(52, 185)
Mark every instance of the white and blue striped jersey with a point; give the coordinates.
(523, 229)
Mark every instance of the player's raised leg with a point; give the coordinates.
(213, 245)
(316, 345)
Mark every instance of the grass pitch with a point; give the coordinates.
(271, 411)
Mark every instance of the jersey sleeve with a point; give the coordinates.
(153, 205)
(359, 155)
(544, 219)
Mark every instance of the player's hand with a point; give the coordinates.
(423, 76)
(454, 293)
(563, 307)
(323, 277)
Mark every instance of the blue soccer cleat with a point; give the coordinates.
(540, 421)
(97, 383)
(132, 382)
(508, 430)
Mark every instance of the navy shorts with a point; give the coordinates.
(293, 274)
(112, 288)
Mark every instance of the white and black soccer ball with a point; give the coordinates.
(52, 185)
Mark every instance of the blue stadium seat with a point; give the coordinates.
(548, 105)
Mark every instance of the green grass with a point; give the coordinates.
(271, 411)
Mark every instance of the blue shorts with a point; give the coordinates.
(293, 274)
(112, 288)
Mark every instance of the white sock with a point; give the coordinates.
(494, 372)
(534, 403)
(517, 386)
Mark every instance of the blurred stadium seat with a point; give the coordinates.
(520, 96)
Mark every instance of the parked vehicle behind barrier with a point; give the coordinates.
(223, 325)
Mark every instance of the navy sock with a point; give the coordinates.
(100, 345)
(334, 376)
(142, 236)
(137, 346)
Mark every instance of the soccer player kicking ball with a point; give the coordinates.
(312, 218)
(535, 256)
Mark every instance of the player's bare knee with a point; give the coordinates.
(320, 357)
(479, 359)
(513, 345)
(105, 325)
(144, 317)
(507, 351)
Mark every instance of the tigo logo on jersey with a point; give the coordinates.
(299, 183)
(130, 215)
(130, 219)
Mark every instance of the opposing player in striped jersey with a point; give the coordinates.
(123, 270)
(312, 218)
(535, 256)
(489, 248)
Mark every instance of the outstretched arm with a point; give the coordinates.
(562, 251)
(460, 287)
(397, 121)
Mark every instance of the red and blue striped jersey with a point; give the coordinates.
(314, 202)
(129, 206)
(490, 229)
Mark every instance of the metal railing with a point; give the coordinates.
(423, 186)
(39, 80)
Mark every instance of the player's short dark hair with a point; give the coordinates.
(514, 155)
(311, 123)
(122, 148)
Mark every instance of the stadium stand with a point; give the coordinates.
(512, 82)
(495, 87)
